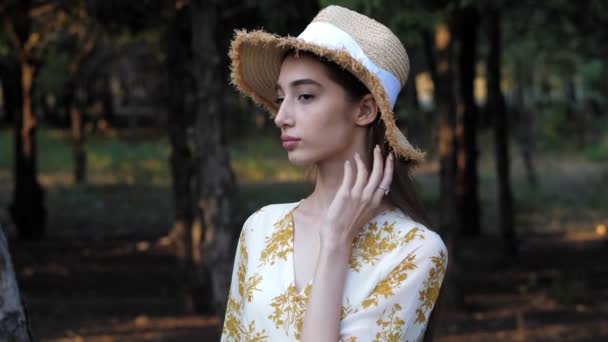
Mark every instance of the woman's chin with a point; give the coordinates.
(298, 160)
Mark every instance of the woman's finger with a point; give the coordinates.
(347, 179)
(361, 179)
(386, 181)
(376, 175)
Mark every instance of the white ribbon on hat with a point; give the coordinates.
(329, 36)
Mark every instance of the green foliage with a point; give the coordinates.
(592, 70)
(578, 133)
(598, 151)
(554, 126)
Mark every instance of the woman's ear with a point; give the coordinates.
(368, 109)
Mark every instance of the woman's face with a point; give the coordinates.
(314, 111)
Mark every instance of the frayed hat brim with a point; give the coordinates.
(256, 58)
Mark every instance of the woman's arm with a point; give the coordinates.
(354, 204)
(322, 319)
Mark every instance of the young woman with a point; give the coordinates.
(354, 260)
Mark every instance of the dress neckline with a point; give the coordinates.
(292, 231)
(301, 292)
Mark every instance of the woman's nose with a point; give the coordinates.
(282, 118)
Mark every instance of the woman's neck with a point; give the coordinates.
(329, 179)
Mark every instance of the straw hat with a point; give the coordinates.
(360, 45)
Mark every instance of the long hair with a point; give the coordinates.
(402, 191)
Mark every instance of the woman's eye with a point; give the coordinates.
(278, 101)
(305, 97)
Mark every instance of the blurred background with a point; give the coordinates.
(128, 164)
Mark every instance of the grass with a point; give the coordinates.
(597, 152)
(112, 160)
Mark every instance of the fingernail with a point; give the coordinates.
(377, 148)
(357, 155)
(390, 156)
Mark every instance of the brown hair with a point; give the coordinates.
(402, 192)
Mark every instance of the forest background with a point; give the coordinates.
(128, 163)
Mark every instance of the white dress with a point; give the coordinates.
(394, 276)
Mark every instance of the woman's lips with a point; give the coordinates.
(290, 144)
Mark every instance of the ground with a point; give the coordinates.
(123, 290)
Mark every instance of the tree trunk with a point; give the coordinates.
(109, 114)
(496, 104)
(574, 120)
(77, 132)
(444, 99)
(467, 177)
(216, 198)
(11, 81)
(179, 123)
(78, 150)
(439, 54)
(411, 92)
(76, 103)
(27, 208)
(525, 121)
(14, 325)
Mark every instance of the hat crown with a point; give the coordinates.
(377, 41)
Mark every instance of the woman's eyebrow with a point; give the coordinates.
(304, 81)
(299, 82)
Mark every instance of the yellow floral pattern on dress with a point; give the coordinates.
(387, 286)
(253, 336)
(246, 286)
(347, 310)
(264, 304)
(391, 326)
(234, 329)
(250, 285)
(289, 308)
(432, 285)
(280, 243)
(373, 242)
(412, 234)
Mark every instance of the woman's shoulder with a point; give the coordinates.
(262, 223)
(394, 241)
(269, 212)
(273, 209)
(396, 226)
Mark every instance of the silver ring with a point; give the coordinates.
(385, 189)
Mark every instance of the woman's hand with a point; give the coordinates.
(356, 201)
